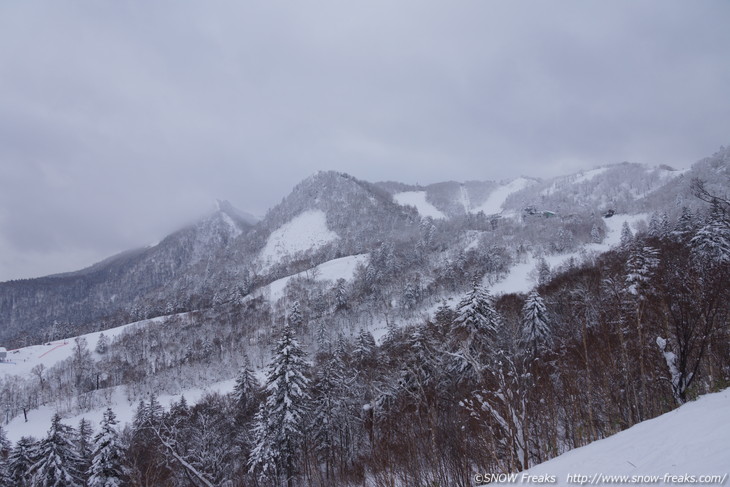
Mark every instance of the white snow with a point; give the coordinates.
(417, 199)
(691, 440)
(307, 231)
(342, 268)
(496, 198)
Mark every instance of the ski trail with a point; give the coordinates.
(465, 199)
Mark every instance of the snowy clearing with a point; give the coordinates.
(307, 231)
(417, 199)
(691, 440)
(496, 198)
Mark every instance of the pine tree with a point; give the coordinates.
(279, 428)
(58, 464)
(536, 334)
(107, 456)
(20, 461)
(84, 445)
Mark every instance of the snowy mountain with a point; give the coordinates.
(412, 313)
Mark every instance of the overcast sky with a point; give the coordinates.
(121, 120)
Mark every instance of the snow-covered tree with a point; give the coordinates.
(279, 425)
(20, 461)
(295, 317)
(85, 446)
(5, 480)
(58, 460)
(365, 347)
(536, 333)
(107, 456)
(475, 329)
(247, 388)
(626, 235)
(102, 344)
(712, 240)
(640, 267)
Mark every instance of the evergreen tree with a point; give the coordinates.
(295, 316)
(5, 448)
(247, 389)
(475, 329)
(58, 463)
(107, 456)
(684, 228)
(340, 294)
(279, 425)
(365, 347)
(626, 235)
(84, 445)
(640, 267)
(20, 461)
(712, 240)
(536, 333)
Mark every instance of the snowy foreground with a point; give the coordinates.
(683, 447)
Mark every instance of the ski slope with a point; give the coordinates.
(21, 361)
(332, 270)
(522, 276)
(417, 199)
(497, 198)
(693, 440)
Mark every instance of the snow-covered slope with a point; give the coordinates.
(307, 231)
(496, 198)
(342, 268)
(690, 441)
(417, 199)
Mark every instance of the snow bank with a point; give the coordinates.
(689, 441)
(417, 199)
(304, 232)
